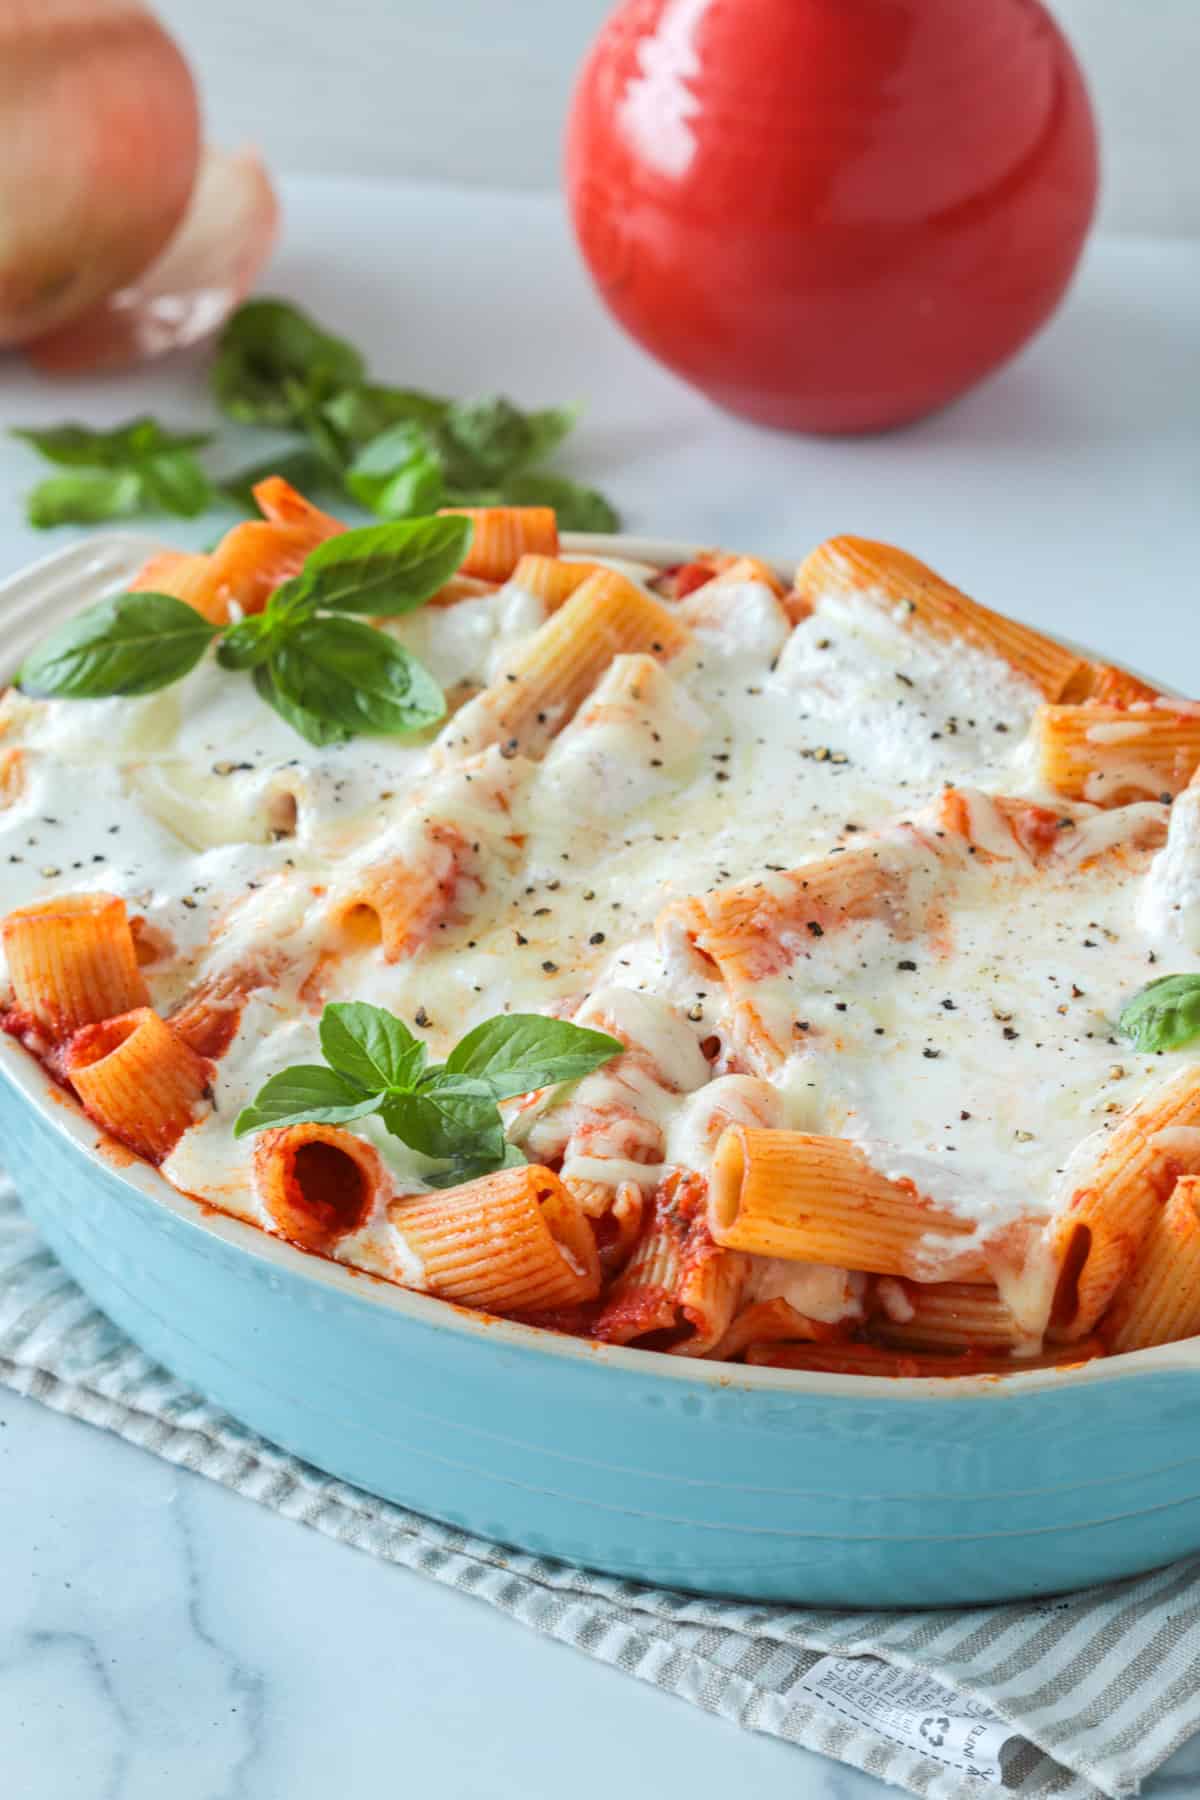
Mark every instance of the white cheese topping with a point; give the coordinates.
(972, 1059)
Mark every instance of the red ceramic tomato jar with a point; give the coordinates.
(831, 215)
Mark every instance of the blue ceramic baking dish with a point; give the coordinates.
(772, 1484)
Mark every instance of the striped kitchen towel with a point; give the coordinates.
(1071, 1697)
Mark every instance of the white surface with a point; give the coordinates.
(158, 1636)
(475, 91)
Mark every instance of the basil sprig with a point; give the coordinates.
(130, 644)
(333, 679)
(1164, 1015)
(447, 1111)
(272, 359)
(326, 673)
(136, 467)
(398, 451)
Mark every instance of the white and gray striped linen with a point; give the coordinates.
(1098, 1688)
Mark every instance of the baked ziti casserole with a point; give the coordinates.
(804, 973)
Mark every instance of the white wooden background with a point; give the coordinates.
(476, 90)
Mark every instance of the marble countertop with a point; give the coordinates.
(159, 1636)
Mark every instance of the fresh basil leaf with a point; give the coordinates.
(467, 1087)
(414, 490)
(355, 678)
(577, 508)
(517, 1052)
(371, 1045)
(446, 1125)
(75, 446)
(385, 570)
(137, 464)
(174, 481)
(307, 1093)
(470, 1168)
(483, 442)
(314, 726)
(267, 348)
(307, 400)
(288, 607)
(130, 644)
(88, 497)
(545, 431)
(359, 414)
(254, 640)
(306, 469)
(1165, 1015)
(397, 474)
(246, 644)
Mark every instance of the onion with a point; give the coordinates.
(99, 145)
(189, 291)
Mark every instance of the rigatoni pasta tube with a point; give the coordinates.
(751, 929)
(774, 1321)
(551, 673)
(703, 604)
(817, 1199)
(512, 1242)
(186, 576)
(1108, 685)
(921, 601)
(317, 1182)
(251, 560)
(72, 961)
(138, 1080)
(551, 579)
(709, 1292)
(503, 535)
(208, 1015)
(282, 504)
(1095, 1241)
(246, 567)
(946, 1315)
(677, 1281)
(1159, 1302)
(397, 904)
(645, 1296)
(1111, 755)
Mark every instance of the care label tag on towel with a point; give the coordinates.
(909, 1708)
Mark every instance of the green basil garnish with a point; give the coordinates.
(273, 360)
(1165, 1015)
(517, 1052)
(350, 676)
(308, 1092)
(132, 644)
(384, 570)
(135, 467)
(328, 675)
(484, 442)
(87, 497)
(447, 1113)
(400, 452)
(80, 447)
(397, 474)
(313, 726)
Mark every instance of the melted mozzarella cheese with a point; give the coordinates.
(976, 1073)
